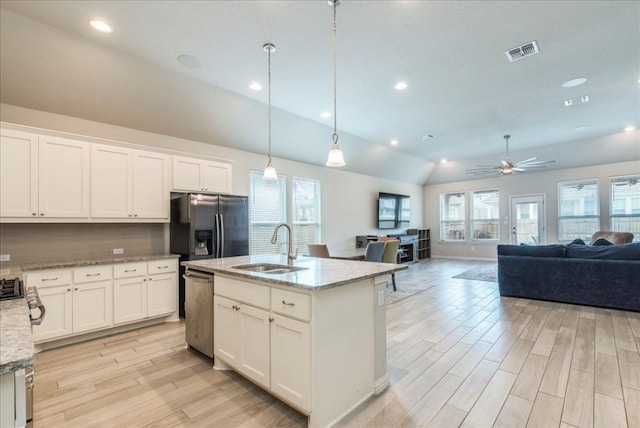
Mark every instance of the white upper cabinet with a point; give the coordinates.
(18, 174)
(195, 175)
(43, 177)
(63, 178)
(129, 184)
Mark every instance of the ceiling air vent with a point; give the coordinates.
(527, 49)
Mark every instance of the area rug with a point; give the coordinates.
(405, 289)
(480, 273)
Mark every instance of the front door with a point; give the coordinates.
(527, 220)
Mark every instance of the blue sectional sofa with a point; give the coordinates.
(606, 276)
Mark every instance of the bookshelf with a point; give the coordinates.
(424, 241)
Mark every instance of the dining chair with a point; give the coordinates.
(373, 252)
(390, 255)
(318, 250)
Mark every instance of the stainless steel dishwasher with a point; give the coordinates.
(199, 311)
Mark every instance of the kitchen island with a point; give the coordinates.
(313, 335)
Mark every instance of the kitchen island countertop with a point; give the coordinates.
(16, 343)
(318, 273)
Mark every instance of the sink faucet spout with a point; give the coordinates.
(291, 256)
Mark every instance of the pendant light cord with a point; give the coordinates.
(335, 84)
(269, 49)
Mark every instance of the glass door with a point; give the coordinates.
(527, 220)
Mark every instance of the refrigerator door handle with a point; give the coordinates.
(221, 235)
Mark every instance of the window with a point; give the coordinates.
(485, 215)
(625, 205)
(579, 214)
(306, 213)
(267, 208)
(452, 216)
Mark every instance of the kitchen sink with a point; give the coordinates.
(269, 268)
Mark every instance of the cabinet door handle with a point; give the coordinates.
(76, 289)
(41, 213)
(34, 214)
(284, 302)
(68, 289)
(49, 279)
(271, 319)
(93, 274)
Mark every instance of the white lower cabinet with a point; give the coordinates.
(94, 298)
(75, 300)
(272, 350)
(291, 360)
(144, 289)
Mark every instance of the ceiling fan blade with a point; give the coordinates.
(533, 166)
(526, 161)
(485, 171)
(517, 169)
(541, 162)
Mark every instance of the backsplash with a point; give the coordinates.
(35, 243)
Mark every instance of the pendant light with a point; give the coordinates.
(269, 171)
(335, 155)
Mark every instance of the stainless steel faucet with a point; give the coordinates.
(291, 256)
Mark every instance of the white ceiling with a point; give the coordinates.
(462, 89)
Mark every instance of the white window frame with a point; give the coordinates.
(493, 223)
(260, 232)
(301, 225)
(631, 204)
(458, 234)
(584, 225)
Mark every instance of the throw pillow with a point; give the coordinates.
(602, 241)
(577, 241)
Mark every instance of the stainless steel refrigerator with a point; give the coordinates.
(208, 226)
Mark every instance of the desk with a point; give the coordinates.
(354, 254)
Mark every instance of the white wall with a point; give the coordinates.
(348, 199)
(521, 184)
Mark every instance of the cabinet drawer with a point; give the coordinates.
(128, 270)
(296, 305)
(48, 278)
(92, 274)
(162, 266)
(244, 292)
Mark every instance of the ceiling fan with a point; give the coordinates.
(507, 167)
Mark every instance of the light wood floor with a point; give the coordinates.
(458, 355)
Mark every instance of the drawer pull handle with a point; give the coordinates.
(284, 302)
(130, 270)
(93, 274)
(49, 279)
(162, 267)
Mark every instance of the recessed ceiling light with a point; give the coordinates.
(567, 103)
(189, 61)
(401, 85)
(101, 26)
(443, 160)
(574, 82)
(394, 142)
(629, 128)
(584, 98)
(325, 114)
(255, 86)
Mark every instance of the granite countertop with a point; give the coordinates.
(94, 262)
(319, 273)
(16, 343)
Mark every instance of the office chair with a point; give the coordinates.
(390, 255)
(318, 250)
(373, 252)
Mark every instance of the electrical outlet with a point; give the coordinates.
(5, 257)
(118, 251)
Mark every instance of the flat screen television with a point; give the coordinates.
(394, 211)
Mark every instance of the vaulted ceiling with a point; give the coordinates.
(463, 93)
